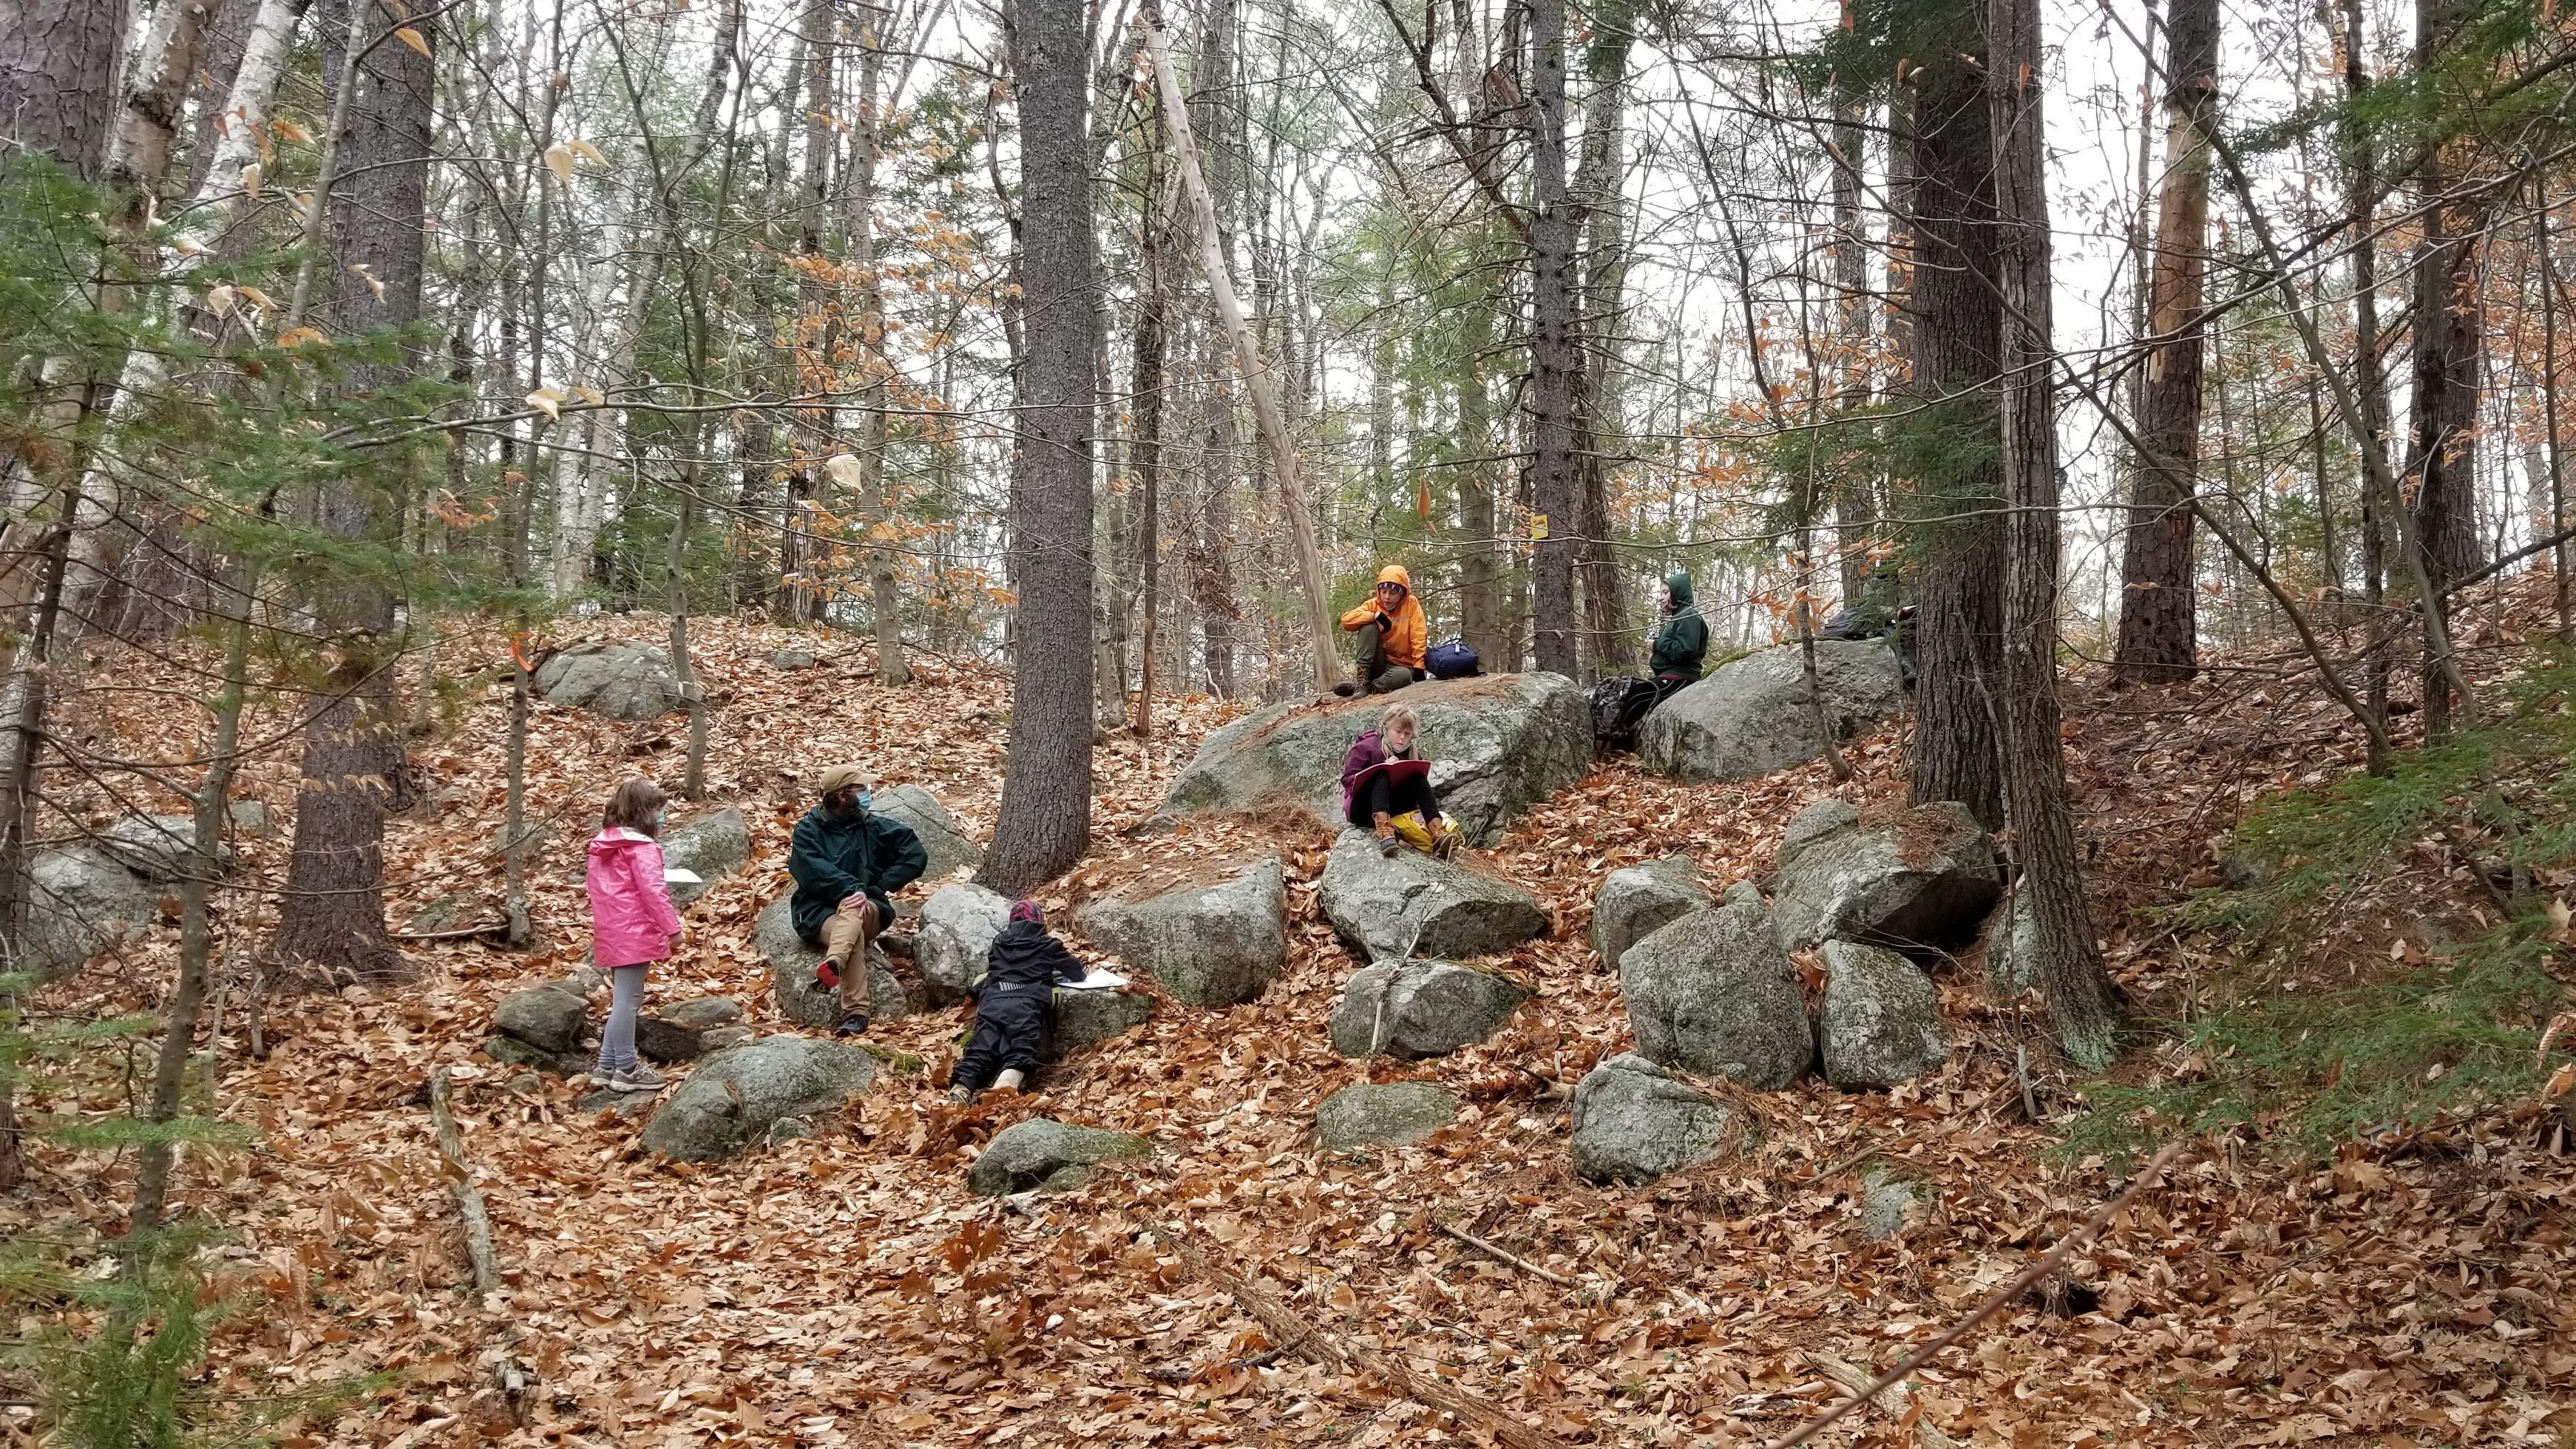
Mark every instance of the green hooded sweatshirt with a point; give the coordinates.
(1682, 646)
(832, 856)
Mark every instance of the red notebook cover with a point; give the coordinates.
(1396, 771)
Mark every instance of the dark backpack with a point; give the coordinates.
(1618, 707)
(1452, 659)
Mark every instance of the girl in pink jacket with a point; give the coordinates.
(632, 922)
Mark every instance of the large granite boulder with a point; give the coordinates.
(1383, 1113)
(155, 847)
(549, 1017)
(1713, 993)
(1498, 744)
(1881, 1022)
(1640, 900)
(1210, 945)
(1635, 1122)
(1045, 1155)
(954, 937)
(1409, 904)
(1410, 1009)
(621, 681)
(714, 845)
(80, 902)
(943, 840)
(791, 965)
(1753, 715)
(731, 1099)
(1924, 879)
(1087, 1018)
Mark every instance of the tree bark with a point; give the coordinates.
(2361, 165)
(2450, 343)
(2081, 1000)
(1952, 342)
(2159, 624)
(1599, 194)
(1216, 117)
(885, 601)
(799, 588)
(332, 916)
(1855, 503)
(1148, 347)
(1553, 364)
(1045, 817)
(58, 78)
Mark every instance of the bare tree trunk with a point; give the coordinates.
(1045, 817)
(1145, 449)
(58, 79)
(2361, 163)
(332, 915)
(2159, 627)
(2081, 1000)
(1218, 116)
(1951, 332)
(799, 586)
(1553, 364)
(1855, 506)
(1483, 619)
(2450, 365)
(885, 602)
(1599, 186)
(2549, 296)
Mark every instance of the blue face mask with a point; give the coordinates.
(862, 800)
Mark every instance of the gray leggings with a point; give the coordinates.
(617, 1038)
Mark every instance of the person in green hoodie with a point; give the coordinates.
(1681, 645)
(847, 863)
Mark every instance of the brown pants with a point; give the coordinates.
(846, 934)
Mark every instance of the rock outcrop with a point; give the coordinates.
(1713, 993)
(1881, 1022)
(1753, 715)
(1922, 880)
(1410, 1009)
(954, 937)
(1634, 1122)
(1640, 900)
(1087, 1018)
(155, 847)
(1409, 904)
(1045, 1155)
(80, 902)
(1498, 744)
(943, 840)
(1375, 1114)
(550, 1018)
(791, 965)
(731, 1099)
(621, 681)
(1210, 945)
(714, 846)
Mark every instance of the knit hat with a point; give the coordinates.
(843, 777)
(1028, 911)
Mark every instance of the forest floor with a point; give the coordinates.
(845, 1289)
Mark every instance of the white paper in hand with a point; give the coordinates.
(680, 875)
(1097, 980)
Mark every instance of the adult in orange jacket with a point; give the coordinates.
(1392, 635)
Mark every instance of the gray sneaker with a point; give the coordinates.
(637, 1078)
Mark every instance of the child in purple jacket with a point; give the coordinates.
(632, 922)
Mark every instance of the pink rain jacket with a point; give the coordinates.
(631, 918)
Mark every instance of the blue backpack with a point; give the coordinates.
(1452, 659)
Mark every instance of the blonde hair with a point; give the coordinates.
(633, 804)
(1400, 714)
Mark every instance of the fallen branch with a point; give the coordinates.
(1900, 1398)
(1311, 1342)
(1515, 1259)
(460, 1178)
(457, 934)
(2046, 1264)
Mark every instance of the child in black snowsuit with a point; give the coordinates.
(1012, 1004)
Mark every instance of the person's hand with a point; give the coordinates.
(853, 900)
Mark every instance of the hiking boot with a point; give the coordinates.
(854, 1024)
(896, 947)
(1444, 841)
(963, 1094)
(637, 1078)
(1346, 688)
(1387, 839)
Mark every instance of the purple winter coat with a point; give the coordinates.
(1367, 752)
(631, 917)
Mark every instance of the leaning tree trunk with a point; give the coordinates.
(1951, 339)
(2159, 623)
(333, 916)
(1045, 816)
(1553, 364)
(2080, 996)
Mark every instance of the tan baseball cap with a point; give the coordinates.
(843, 777)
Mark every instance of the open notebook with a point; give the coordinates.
(678, 875)
(1097, 980)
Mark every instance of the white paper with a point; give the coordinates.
(676, 875)
(1097, 980)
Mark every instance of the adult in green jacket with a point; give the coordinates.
(1681, 646)
(847, 863)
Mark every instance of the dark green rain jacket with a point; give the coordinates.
(1682, 646)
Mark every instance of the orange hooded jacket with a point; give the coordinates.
(1405, 641)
